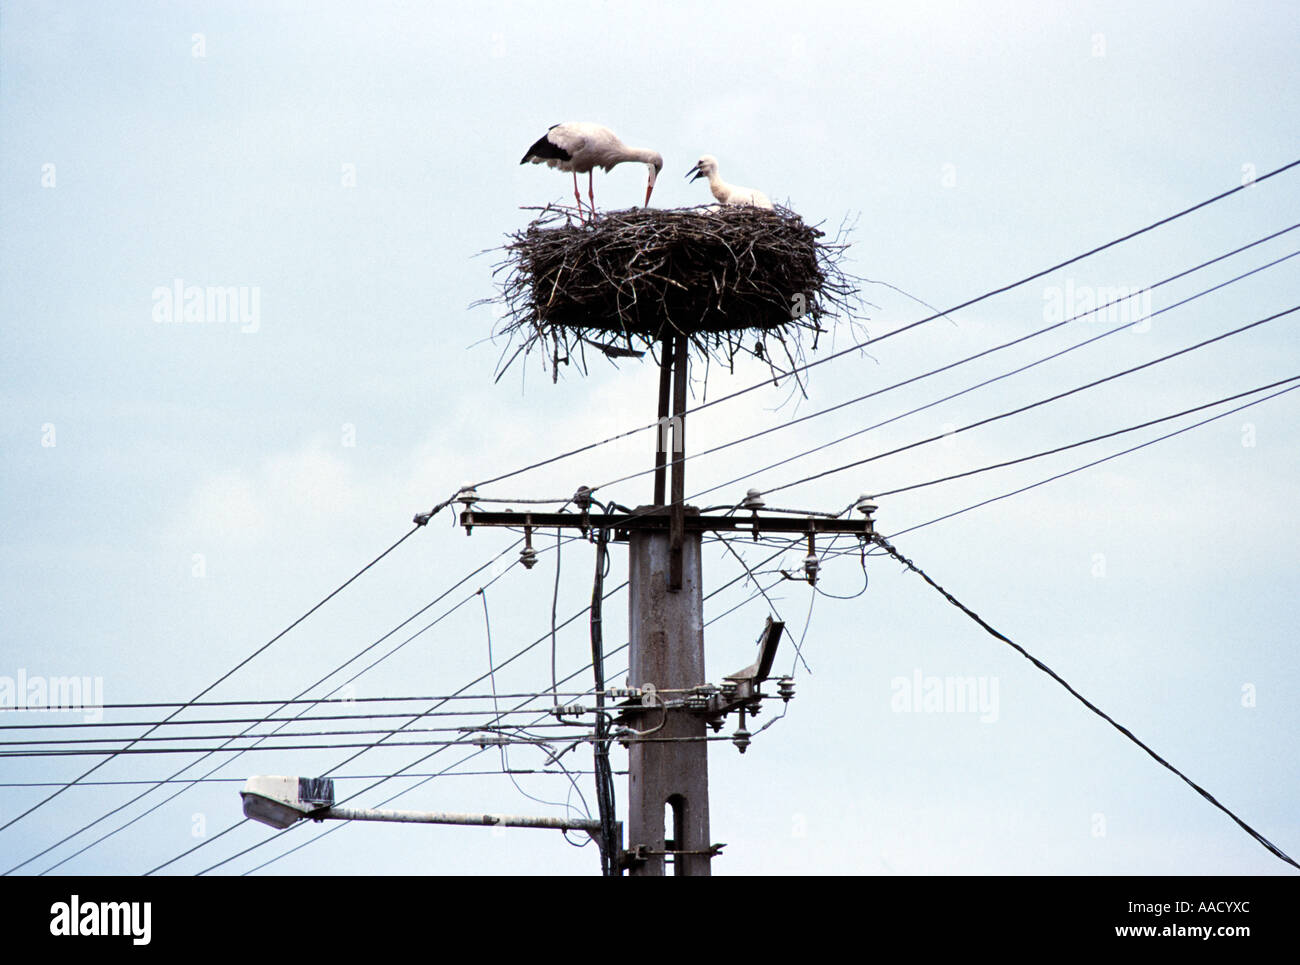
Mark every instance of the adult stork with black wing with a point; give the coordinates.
(579, 146)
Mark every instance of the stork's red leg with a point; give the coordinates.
(577, 195)
(591, 196)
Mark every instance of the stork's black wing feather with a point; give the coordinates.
(546, 151)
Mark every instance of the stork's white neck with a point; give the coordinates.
(720, 189)
(651, 159)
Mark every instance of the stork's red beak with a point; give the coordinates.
(648, 189)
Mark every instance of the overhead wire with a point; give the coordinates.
(382, 742)
(1087, 465)
(345, 777)
(1077, 469)
(1034, 405)
(284, 722)
(1030, 278)
(425, 757)
(492, 680)
(1112, 303)
(1083, 442)
(1259, 838)
(226, 676)
(788, 459)
(861, 345)
(605, 801)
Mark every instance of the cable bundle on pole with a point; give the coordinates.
(609, 843)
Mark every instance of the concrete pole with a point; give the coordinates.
(667, 650)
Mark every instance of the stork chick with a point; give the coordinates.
(707, 167)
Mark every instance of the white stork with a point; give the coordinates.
(707, 167)
(579, 147)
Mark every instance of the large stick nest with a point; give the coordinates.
(725, 277)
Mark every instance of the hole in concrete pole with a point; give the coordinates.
(674, 814)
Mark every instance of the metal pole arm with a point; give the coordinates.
(438, 817)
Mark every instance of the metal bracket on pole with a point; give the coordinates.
(655, 518)
(639, 854)
(741, 690)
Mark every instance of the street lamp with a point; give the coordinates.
(281, 802)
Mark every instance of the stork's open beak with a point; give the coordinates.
(695, 171)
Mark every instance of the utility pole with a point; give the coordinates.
(668, 780)
(669, 717)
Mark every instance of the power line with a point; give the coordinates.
(860, 345)
(270, 720)
(223, 677)
(982, 354)
(1087, 465)
(343, 777)
(505, 758)
(371, 746)
(38, 743)
(1084, 442)
(981, 422)
(605, 801)
(425, 757)
(154, 807)
(857, 432)
(784, 548)
(279, 701)
(1034, 405)
(1268, 845)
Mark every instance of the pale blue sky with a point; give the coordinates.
(971, 144)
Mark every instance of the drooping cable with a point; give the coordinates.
(1268, 845)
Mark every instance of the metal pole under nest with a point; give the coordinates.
(661, 427)
(677, 525)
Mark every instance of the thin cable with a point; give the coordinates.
(382, 742)
(1087, 465)
(1268, 845)
(215, 683)
(492, 680)
(310, 687)
(605, 803)
(38, 745)
(555, 603)
(344, 777)
(425, 757)
(982, 354)
(255, 720)
(1034, 405)
(798, 650)
(1084, 442)
(966, 304)
(279, 701)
